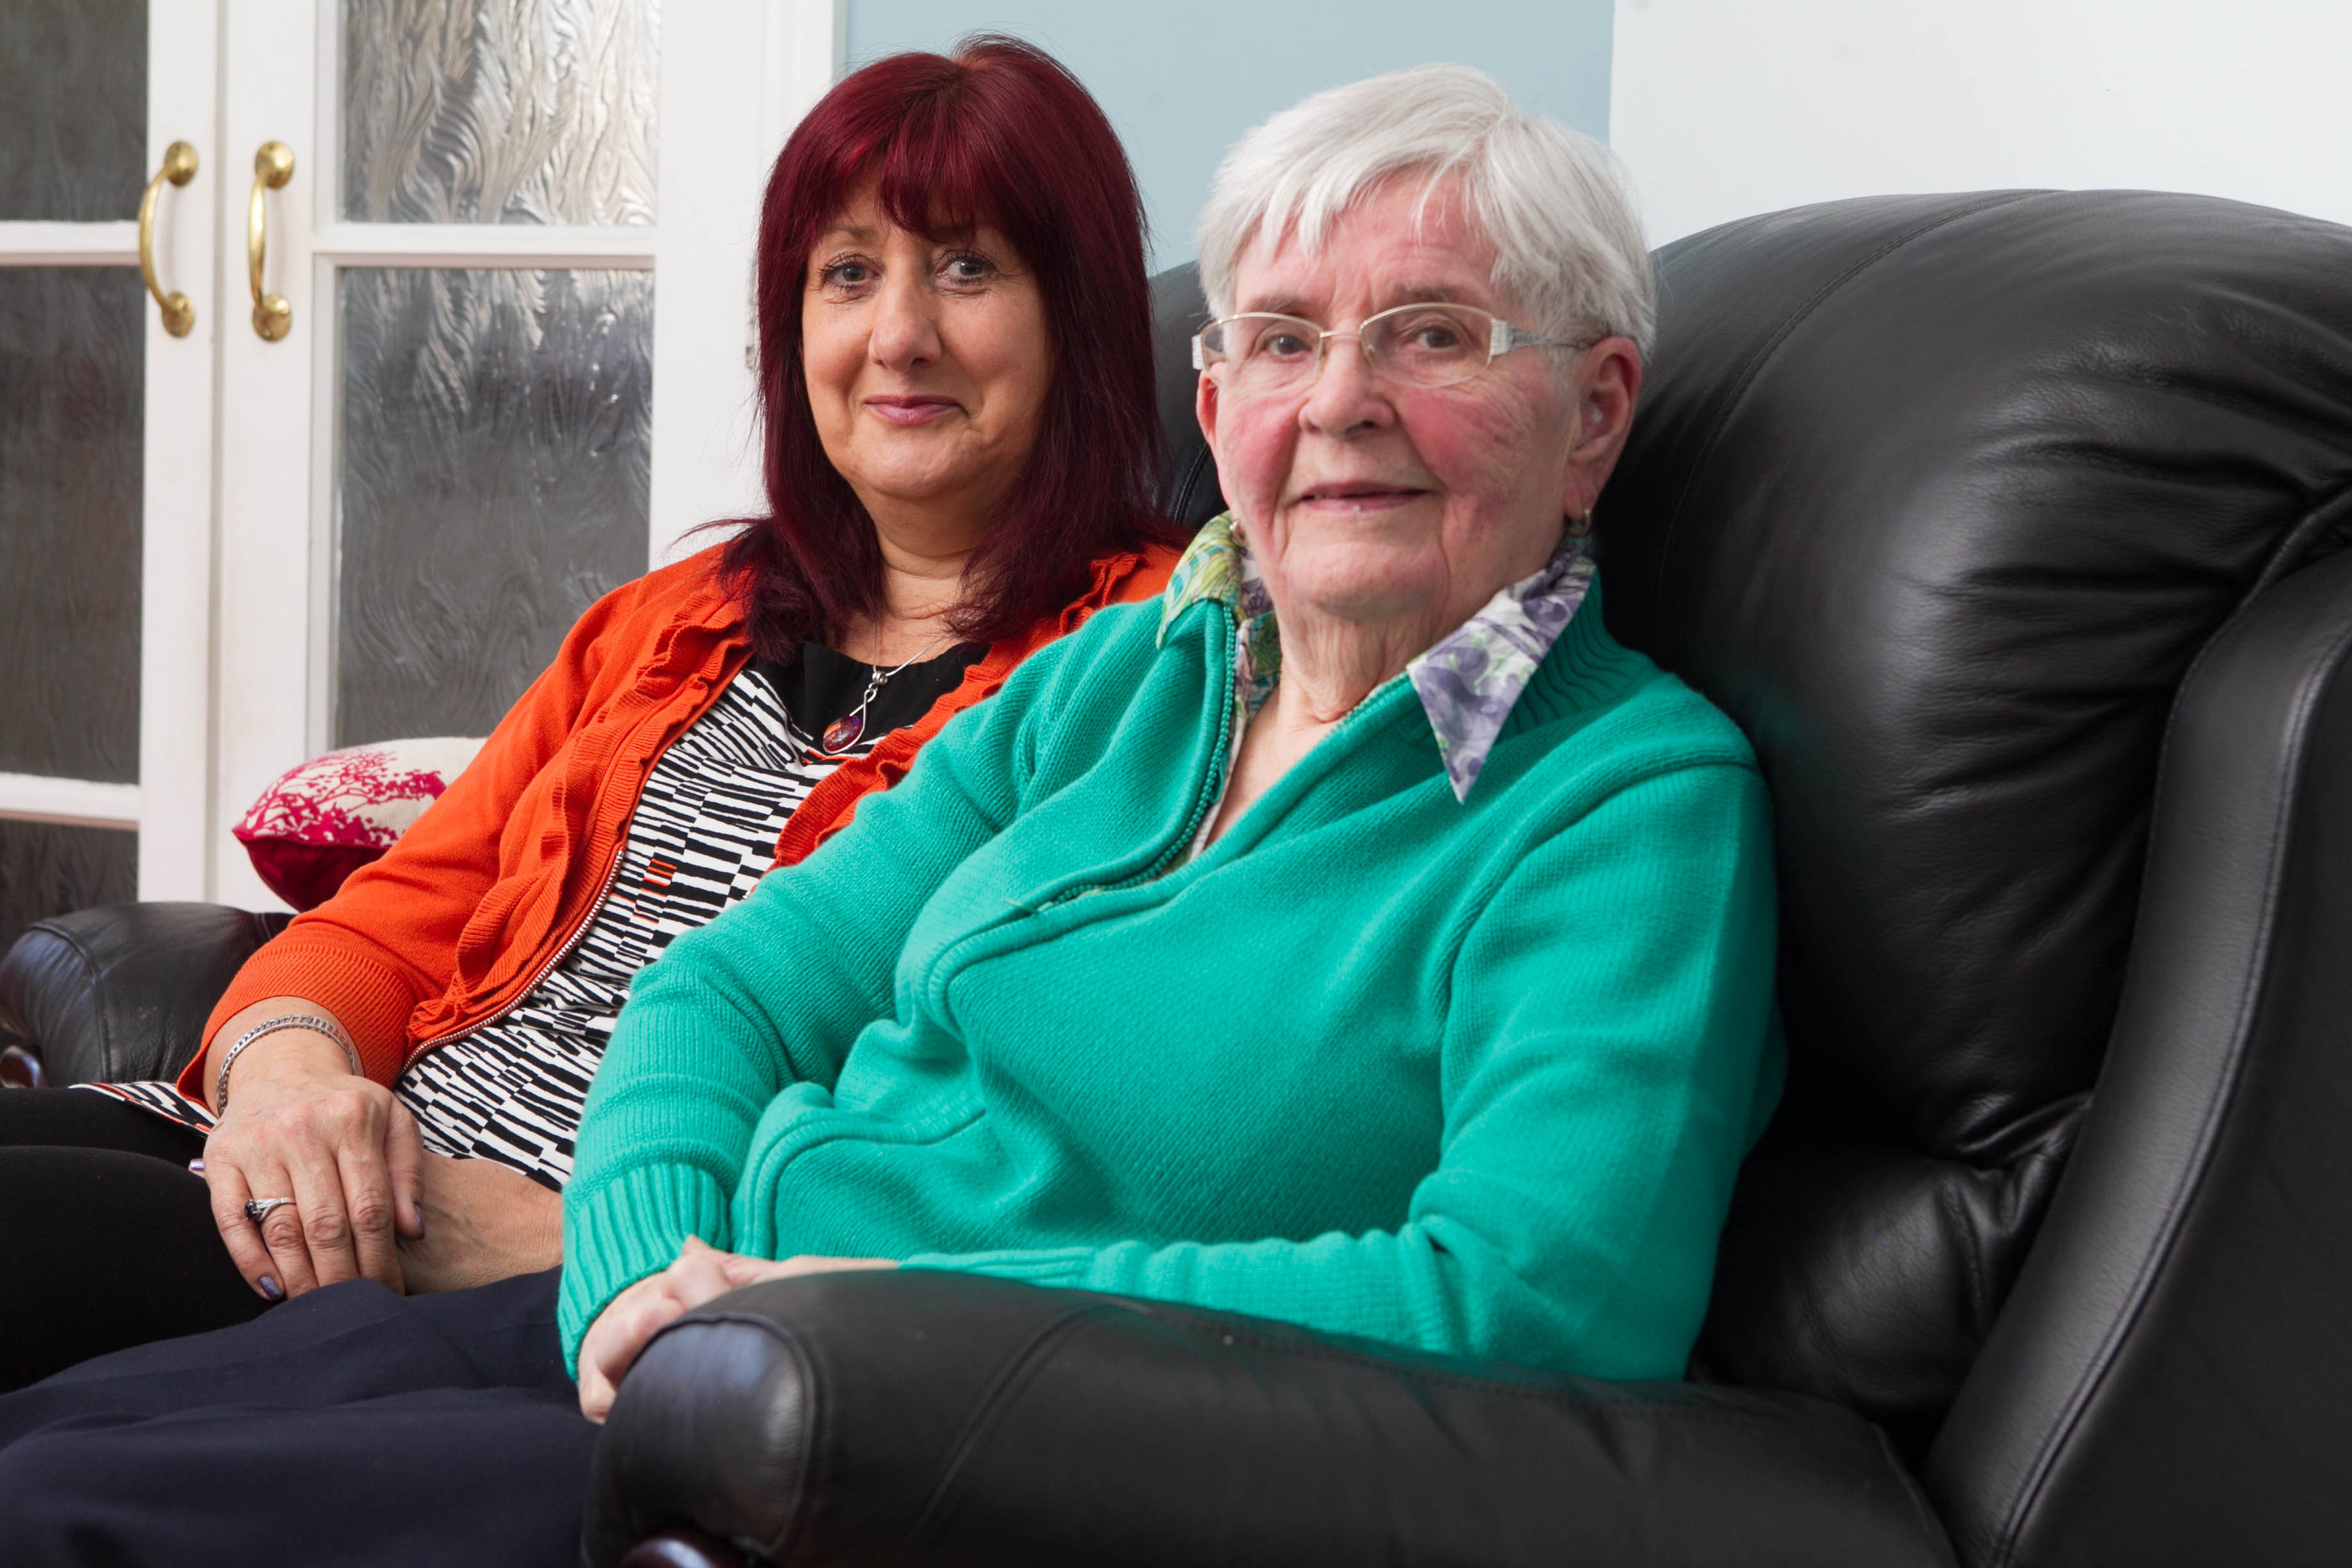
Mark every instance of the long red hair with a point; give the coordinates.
(999, 133)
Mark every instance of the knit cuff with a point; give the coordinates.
(1066, 1266)
(631, 1225)
(370, 998)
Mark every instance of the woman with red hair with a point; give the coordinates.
(955, 368)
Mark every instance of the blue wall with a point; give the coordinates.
(1181, 82)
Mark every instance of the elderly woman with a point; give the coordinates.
(1359, 936)
(956, 370)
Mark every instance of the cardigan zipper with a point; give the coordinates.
(1211, 794)
(563, 952)
(1211, 791)
(579, 930)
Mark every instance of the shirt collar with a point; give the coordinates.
(1468, 682)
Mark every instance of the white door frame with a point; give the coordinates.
(175, 620)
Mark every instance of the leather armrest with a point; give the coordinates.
(121, 991)
(926, 1417)
(2171, 1380)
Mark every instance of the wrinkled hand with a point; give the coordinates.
(482, 1221)
(701, 1275)
(300, 1125)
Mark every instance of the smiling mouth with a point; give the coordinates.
(1359, 494)
(910, 410)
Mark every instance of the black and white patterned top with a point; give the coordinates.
(703, 834)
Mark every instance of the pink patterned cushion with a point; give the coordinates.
(335, 814)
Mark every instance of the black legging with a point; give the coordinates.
(107, 1239)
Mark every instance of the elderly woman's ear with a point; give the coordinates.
(1608, 385)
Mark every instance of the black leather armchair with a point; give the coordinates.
(2009, 527)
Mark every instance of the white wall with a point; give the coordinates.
(1723, 108)
(1180, 83)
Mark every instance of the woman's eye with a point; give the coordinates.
(847, 275)
(967, 268)
(1436, 338)
(1282, 345)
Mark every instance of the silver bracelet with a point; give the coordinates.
(325, 1026)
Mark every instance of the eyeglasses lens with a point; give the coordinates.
(1418, 345)
(1269, 352)
(1430, 345)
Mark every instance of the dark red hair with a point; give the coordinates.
(1001, 134)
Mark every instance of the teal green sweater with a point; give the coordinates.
(1472, 1077)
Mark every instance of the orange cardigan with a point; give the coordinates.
(489, 887)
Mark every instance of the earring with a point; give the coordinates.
(1579, 527)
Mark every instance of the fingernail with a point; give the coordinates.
(197, 1167)
(271, 1288)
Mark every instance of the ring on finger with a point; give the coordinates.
(258, 1209)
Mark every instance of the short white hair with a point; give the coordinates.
(1555, 205)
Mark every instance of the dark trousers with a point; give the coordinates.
(106, 1238)
(350, 1426)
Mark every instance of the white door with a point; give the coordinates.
(515, 253)
(106, 452)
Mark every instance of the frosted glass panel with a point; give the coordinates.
(46, 869)
(71, 379)
(73, 109)
(499, 110)
(493, 480)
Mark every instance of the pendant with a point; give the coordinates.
(843, 732)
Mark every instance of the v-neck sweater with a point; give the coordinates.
(1465, 1076)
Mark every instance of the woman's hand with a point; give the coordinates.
(300, 1125)
(482, 1221)
(701, 1275)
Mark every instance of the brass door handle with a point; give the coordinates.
(273, 166)
(179, 168)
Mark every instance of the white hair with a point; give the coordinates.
(1556, 205)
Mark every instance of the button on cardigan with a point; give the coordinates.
(1465, 1076)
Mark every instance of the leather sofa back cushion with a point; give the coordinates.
(1939, 496)
(121, 991)
(1187, 484)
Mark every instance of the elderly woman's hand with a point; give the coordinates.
(701, 1275)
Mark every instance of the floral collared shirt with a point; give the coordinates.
(1467, 681)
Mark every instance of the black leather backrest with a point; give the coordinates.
(1939, 497)
(1188, 487)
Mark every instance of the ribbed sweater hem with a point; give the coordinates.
(639, 1220)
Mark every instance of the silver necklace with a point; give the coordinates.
(843, 732)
